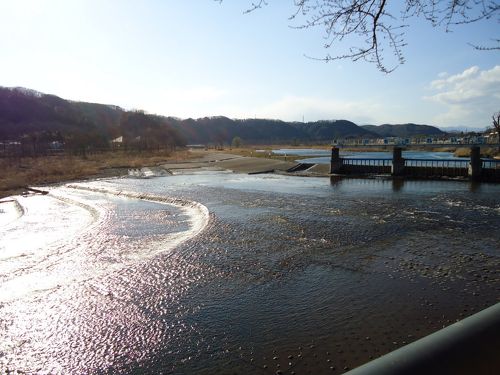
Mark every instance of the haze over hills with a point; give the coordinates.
(24, 113)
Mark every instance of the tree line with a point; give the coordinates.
(35, 124)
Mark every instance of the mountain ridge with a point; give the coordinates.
(404, 130)
(26, 112)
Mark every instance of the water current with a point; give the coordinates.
(227, 273)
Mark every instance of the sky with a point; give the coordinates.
(201, 58)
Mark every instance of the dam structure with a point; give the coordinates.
(474, 169)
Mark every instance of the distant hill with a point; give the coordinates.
(321, 130)
(24, 111)
(41, 118)
(464, 129)
(223, 130)
(27, 114)
(403, 130)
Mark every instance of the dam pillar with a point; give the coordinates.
(335, 161)
(398, 163)
(475, 164)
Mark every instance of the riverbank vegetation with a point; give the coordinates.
(486, 152)
(19, 173)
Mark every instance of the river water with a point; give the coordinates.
(227, 273)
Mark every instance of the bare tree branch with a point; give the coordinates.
(374, 31)
(255, 6)
(487, 48)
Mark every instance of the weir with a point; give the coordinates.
(475, 169)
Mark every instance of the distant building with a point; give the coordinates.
(56, 145)
(492, 137)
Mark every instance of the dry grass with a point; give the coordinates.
(489, 152)
(444, 149)
(462, 152)
(22, 172)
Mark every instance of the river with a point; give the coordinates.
(229, 273)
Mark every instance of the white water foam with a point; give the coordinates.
(197, 212)
(10, 211)
(55, 264)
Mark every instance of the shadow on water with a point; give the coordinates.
(474, 186)
(378, 183)
(336, 181)
(397, 185)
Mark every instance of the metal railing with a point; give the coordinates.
(491, 164)
(437, 163)
(375, 162)
(437, 167)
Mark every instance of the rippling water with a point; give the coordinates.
(227, 273)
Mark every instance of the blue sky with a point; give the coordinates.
(202, 58)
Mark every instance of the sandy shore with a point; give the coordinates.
(212, 160)
(218, 161)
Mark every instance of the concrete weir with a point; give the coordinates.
(475, 169)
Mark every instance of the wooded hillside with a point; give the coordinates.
(36, 118)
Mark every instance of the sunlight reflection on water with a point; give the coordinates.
(73, 235)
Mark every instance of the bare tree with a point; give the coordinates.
(373, 27)
(496, 126)
(496, 122)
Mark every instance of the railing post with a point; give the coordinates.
(335, 161)
(398, 163)
(476, 164)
